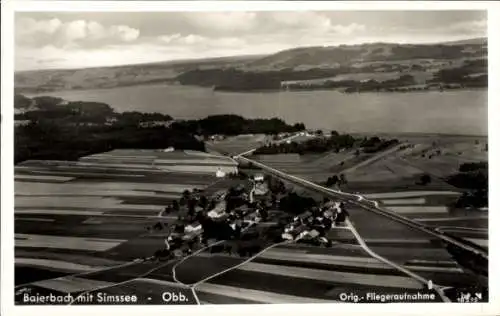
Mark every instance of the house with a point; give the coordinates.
(217, 137)
(292, 232)
(219, 173)
(261, 189)
(303, 216)
(258, 177)
(110, 121)
(218, 211)
(155, 124)
(196, 226)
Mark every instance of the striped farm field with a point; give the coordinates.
(79, 201)
(419, 209)
(148, 291)
(71, 284)
(408, 194)
(285, 281)
(47, 178)
(47, 241)
(56, 265)
(296, 165)
(415, 201)
(178, 161)
(100, 227)
(430, 208)
(220, 293)
(333, 276)
(84, 215)
(237, 144)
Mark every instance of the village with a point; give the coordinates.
(239, 215)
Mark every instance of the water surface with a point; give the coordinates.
(448, 112)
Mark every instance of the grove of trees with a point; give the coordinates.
(335, 142)
(67, 131)
(474, 178)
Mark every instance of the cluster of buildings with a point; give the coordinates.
(189, 231)
(311, 226)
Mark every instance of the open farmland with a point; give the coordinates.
(299, 273)
(85, 215)
(233, 145)
(395, 182)
(280, 273)
(96, 226)
(313, 167)
(393, 177)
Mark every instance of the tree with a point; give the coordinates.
(21, 102)
(212, 204)
(296, 204)
(333, 180)
(342, 179)
(203, 202)
(319, 132)
(264, 214)
(191, 206)
(425, 179)
(175, 205)
(473, 166)
(186, 194)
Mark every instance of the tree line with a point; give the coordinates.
(334, 142)
(473, 177)
(229, 124)
(59, 130)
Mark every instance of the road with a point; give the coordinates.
(374, 158)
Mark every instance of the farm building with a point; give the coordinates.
(258, 177)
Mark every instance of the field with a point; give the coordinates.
(398, 175)
(420, 77)
(72, 215)
(81, 226)
(392, 177)
(280, 273)
(237, 144)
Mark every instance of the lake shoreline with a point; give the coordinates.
(448, 112)
(270, 91)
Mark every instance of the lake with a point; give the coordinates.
(449, 112)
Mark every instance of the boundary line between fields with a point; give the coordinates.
(122, 265)
(413, 275)
(142, 275)
(239, 264)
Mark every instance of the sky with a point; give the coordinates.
(48, 40)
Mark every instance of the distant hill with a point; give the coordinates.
(355, 68)
(472, 41)
(372, 60)
(38, 81)
(343, 55)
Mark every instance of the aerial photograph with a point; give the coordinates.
(250, 157)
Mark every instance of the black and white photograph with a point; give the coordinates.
(215, 157)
